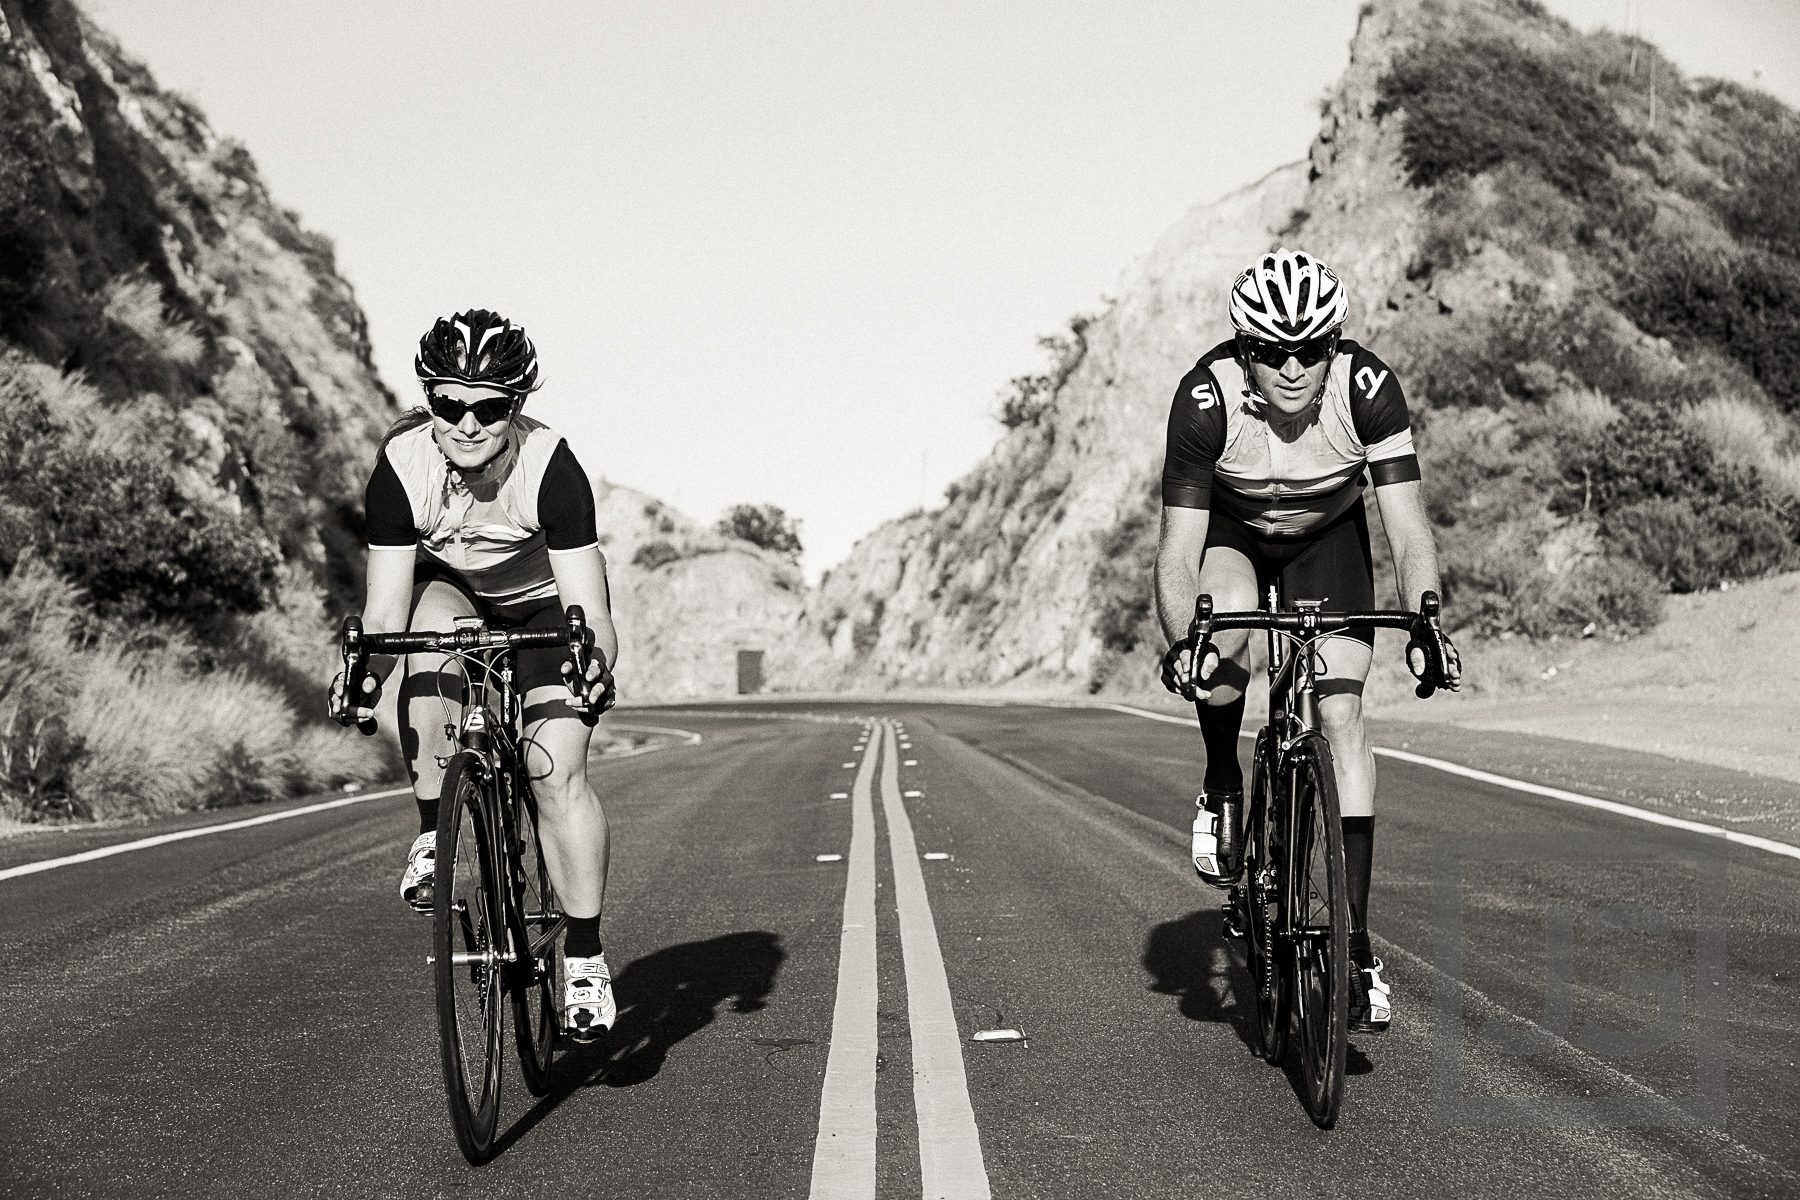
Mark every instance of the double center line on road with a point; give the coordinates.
(950, 1160)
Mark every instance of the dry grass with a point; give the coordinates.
(135, 302)
(152, 733)
(1745, 434)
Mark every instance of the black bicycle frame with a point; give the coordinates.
(1294, 701)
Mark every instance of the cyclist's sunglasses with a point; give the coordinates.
(1275, 354)
(491, 411)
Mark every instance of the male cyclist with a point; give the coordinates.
(1269, 440)
(475, 509)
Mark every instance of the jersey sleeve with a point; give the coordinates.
(1378, 410)
(387, 509)
(1196, 439)
(566, 504)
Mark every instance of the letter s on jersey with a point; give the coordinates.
(1203, 392)
(1369, 381)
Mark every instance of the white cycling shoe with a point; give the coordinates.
(1371, 1001)
(1217, 850)
(588, 1007)
(417, 882)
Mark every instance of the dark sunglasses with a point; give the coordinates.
(1275, 355)
(491, 411)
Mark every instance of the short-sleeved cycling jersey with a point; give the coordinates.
(1222, 455)
(496, 529)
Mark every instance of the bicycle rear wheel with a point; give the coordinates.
(1321, 946)
(1262, 907)
(469, 939)
(537, 995)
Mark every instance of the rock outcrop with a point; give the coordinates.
(1581, 279)
(687, 599)
(143, 251)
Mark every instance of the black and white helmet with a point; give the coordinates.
(477, 347)
(1287, 296)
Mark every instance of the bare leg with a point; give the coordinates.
(432, 681)
(1340, 710)
(571, 824)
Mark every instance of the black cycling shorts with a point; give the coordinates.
(1333, 563)
(532, 668)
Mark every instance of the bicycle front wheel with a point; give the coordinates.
(1262, 906)
(1321, 945)
(469, 944)
(537, 998)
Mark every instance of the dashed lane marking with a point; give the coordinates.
(844, 1154)
(950, 1161)
(1535, 789)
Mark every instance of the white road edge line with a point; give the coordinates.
(1613, 806)
(50, 864)
(163, 839)
(844, 1155)
(950, 1161)
(1535, 789)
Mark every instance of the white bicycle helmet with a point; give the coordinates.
(1287, 296)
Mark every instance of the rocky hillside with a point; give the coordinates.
(1585, 268)
(187, 414)
(141, 253)
(687, 599)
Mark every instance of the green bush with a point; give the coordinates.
(652, 555)
(1476, 104)
(1757, 152)
(1650, 452)
(1691, 548)
(763, 525)
(118, 527)
(1747, 305)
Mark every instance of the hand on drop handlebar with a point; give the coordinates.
(337, 708)
(1178, 673)
(599, 694)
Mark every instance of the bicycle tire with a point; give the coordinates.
(1321, 962)
(537, 994)
(1262, 909)
(469, 919)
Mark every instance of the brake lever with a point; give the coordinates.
(1200, 638)
(1431, 645)
(356, 671)
(581, 642)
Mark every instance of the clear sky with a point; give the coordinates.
(783, 251)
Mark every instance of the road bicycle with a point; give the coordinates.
(496, 918)
(1293, 904)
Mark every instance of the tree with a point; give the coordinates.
(763, 525)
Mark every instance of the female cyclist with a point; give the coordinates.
(475, 509)
(1269, 440)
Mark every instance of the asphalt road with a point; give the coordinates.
(1587, 1004)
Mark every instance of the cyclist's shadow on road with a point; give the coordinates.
(1192, 959)
(664, 998)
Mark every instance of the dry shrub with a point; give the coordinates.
(1748, 436)
(135, 302)
(143, 730)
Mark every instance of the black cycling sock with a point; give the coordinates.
(1359, 859)
(428, 814)
(584, 937)
(1219, 724)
